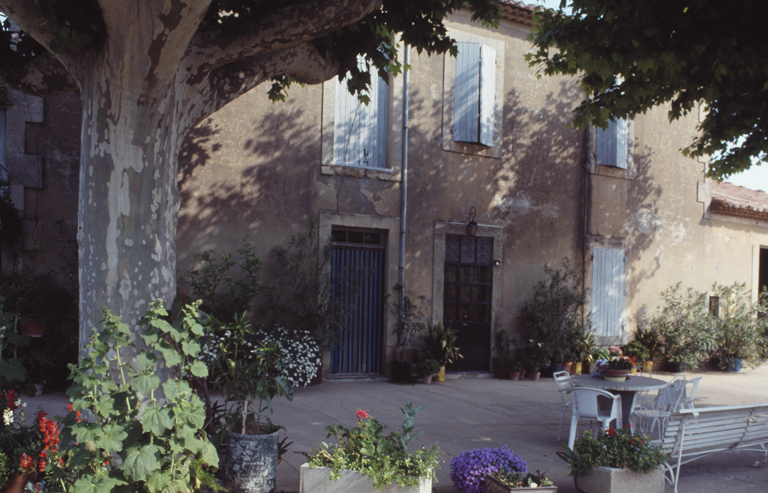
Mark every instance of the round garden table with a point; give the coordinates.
(627, 389)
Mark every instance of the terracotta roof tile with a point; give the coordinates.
(519, 12)
(733, 200)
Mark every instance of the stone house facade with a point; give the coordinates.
(484, 140)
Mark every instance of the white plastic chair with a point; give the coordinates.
(669, 400)
(585, 405)
(564, 385)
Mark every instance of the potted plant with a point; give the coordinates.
(516, 371)
(615, 461)
(555, 313)
(686, 327)
(648, 338)
(440, 342)
(738, 327)
(364, 459)
(617, 369)
(636, 350)
(250, 374)
(469, 470)
(583, 345)
(503, 347)
(536, 360)
(428, 368)
(504, 481)
(410, 323)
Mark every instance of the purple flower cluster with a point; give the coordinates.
(469, 468)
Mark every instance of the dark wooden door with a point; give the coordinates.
(467, 299)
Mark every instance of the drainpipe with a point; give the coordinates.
(403, 185)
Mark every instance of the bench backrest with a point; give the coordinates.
(715, 428)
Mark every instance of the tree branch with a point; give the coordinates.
(290, 26)
(160, 30)
(32, 19)
(44, 75)
(302, 62)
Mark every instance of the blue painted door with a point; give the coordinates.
(358, 263)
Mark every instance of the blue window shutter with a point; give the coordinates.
(487, 94)
(360, 131)
(612, 144)
(474, 94)
(607, 291)
(622, 144)
(466, 106)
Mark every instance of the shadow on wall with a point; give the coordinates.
(256, 184)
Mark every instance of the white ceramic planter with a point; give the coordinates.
(318, 480)
(610, 480)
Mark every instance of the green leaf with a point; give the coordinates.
(12, 369)
(190, 348)
(104, 405)
(171, 355)
(197, 329)
(101, 483)
(173, 389)
(140, 463)
(112, 439)
(146, 360)
(209, 454)
(157, 482)
(199, 369)
(145, 383)
(167, 328)
(156, 420)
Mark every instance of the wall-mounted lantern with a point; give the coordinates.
(472, 224)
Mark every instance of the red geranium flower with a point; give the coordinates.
(362, 414)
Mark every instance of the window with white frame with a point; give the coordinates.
(612, 144)
(474, 93)
(360, 130)
(607, 291)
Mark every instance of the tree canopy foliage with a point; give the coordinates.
(79, 25)
(632, 56)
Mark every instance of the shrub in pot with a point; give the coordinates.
(250, 374)
(363, 449)
(409, 313)
(593, 462)
(738, 327)
(503, 347)
(686, 327)
(428, 368)
(440, 342)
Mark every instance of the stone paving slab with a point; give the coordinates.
(461, 414)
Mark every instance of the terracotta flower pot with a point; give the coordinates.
(514, 375)
(567, 366)
(615, 375)
(535, 375)
(18, 482)
(426, 378)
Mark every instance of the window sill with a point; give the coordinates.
(384, 174)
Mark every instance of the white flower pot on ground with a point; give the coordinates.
(318, 480)
(612, 480)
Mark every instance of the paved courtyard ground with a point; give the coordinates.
(467, 413)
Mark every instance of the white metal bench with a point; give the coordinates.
(694, 433)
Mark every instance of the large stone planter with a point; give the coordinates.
(610, 480)
(250, 462)
(318, 480)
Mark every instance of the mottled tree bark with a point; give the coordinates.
(152, 80)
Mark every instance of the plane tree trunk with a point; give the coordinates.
(151, 80)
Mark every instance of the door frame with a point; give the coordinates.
(443, 228)
(390, 225)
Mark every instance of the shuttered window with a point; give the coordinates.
(474, 93)
(360, 131)
(612, 144)
(607, 291)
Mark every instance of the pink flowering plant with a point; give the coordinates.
(469, 469)
(385, 459)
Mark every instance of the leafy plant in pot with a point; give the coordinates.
(536, 359)
(428, 369)
(409, 313)
(440, 341)
(248, 376)
(738, 327)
